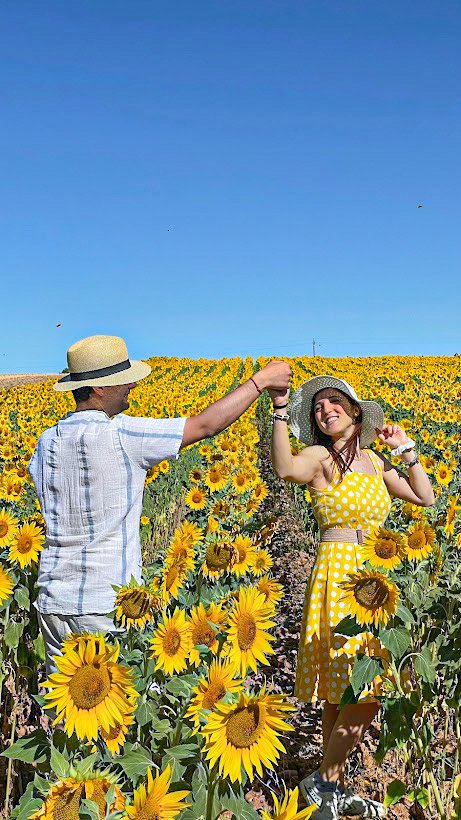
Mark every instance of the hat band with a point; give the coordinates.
(102, 371)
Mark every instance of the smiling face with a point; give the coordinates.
(335, 413)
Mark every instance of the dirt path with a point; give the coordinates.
(18, 379)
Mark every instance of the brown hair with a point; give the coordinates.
(344, 457)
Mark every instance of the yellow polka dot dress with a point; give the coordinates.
(325, 660)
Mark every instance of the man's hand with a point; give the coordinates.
(275, 376)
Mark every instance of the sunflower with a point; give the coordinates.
(155, 802)
(212, 524)
(384, 548)
(241, 481)
(173, 579)
(195, 475)
(133, 606)
(219, 558)
(246, 734)
(421, 540)
(260, 492)
(211, 689)
(8, 528)
(196, 499)
(26, 545)
(189, 533)
(443, 474)
(245, 555)
(64, 798)
(411, 512)
(287, 809)
(371, 597)
(171, 643)
(202, 633)
(272, 590)
(6, 585)
(248, 640)
(115, 738)
(90, 690)
(221, 510)
(216, 478)
(262, 562)
(453, 508)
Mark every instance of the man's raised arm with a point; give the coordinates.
(222, 413)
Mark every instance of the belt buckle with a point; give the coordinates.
(359, 536)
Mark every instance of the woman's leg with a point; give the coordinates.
(348, 729)
(329, 716)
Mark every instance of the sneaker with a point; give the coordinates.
(325, 795)
(355, 805)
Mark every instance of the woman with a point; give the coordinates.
(351, 489)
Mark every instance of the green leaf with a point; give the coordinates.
(178, 687)
(404, 614)
(13, 632)
(59, 764)
(27, 805)
(135, 762)
(84, 766)
(396, 639)
(364, 671)
(395, 791)
(420, 796)
(349, 627)
(88, 810)
(348, 697)
(21, 596)
(110, 795)
(33, 748)
(424, 665)
(239, 807)
(39, 646)
(41, 784)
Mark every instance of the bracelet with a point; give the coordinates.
(279, 417)
(279, 406)
(408, 445)
(413, 461)
(251, 379)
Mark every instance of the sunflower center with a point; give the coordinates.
(171, 642)
(67, 805)
(150, 810)
(243, 727)
(3, 529)
(246, 631)
(136, 605)
(417, 540)
(89, 686)
(24, 545)
(386, 548)
(215, 692)
(203, 634)
(371, 593)
(218, 556)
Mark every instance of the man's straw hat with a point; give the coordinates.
(100, 361)
(301, 404)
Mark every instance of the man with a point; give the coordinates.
(89, 471)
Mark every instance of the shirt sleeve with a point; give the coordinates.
(150, 441)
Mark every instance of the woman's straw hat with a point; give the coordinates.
(301, 404)
(100, 361)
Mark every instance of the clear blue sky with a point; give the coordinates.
(226, 177)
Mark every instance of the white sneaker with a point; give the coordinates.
(325, 795)
(355, 805)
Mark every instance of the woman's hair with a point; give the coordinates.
(342, 458)
(82, 393)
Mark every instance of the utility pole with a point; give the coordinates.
(313, 347)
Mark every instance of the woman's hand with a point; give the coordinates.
(392, 435)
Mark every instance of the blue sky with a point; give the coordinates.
(229, 178)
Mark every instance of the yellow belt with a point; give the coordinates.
(345, 534)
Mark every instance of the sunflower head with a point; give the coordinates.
(6, 585)
(370, 596)
(384, 548)
(26, 545)
(420, 541)
(287, 808)
(219, 557)
(155, 801)
(133, 606)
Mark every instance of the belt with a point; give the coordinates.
(340, 535)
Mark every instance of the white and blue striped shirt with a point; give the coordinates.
(89, 472)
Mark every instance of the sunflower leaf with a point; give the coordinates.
(424, 665)
(404, 614)
(12, 635)
(349, 627)
(364, 671)
(135, 762)
(59, 764)
(396, 639)
(88, 810)
(33, 748)
(395, 791)
(21, 596)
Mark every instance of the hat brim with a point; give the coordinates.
(134, 373)
(301, 404)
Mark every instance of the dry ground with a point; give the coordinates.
(17, 379)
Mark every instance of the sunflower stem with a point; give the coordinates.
(10, 766)
(210, 794)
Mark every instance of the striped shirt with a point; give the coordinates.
(89, 472)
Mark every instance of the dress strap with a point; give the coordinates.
(377, 463)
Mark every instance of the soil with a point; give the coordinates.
(18, 379)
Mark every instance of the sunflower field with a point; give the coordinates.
(166, 717)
